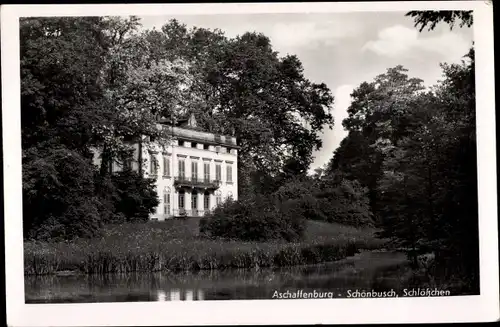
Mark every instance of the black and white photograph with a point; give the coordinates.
(306, 161)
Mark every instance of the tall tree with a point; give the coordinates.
(377, 117)
(90, 82)
(242, 87)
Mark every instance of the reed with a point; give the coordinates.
(175, 246)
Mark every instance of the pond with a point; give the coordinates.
(378, 271)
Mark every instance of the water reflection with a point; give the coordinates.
(379, 271)
(175, 295)
(161, 296)
(180, 295)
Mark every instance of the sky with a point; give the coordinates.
(343, 50)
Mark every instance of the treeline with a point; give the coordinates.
(415, 151)
(98, 82)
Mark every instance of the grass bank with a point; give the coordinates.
(175, 245)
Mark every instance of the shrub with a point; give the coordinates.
(59, 199)
(136, 196)
(255, 219)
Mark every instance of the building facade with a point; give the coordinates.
(196, 172)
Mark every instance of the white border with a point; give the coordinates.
(242, 312)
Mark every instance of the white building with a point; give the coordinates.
(194, 173)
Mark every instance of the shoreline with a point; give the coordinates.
(297, 257)
(177, 247)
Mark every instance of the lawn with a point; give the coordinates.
(175, 245)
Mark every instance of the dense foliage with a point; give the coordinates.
(83, 82)
(58, 194)
(136, 196)
(407, 166)
(282, 213)
(415, 151)
(241, 86)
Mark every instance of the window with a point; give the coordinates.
(153, 165)
(229, 173)
(194, 145)
(181, 200)
(194, 202)
(206, 202)
(166, 201)
(218, 173)
(218, 198)
(166, 165)
(206, 168)
(194, 170)
(181, 143)
(206, 146)
(182, 169)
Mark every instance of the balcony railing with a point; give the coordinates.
(196, 182)
(190, 212)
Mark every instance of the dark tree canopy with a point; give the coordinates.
(430, 19)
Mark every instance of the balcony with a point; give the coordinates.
(184, 213)
(194, 182)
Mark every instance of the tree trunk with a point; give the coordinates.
(430, 186)
(106, 161)
(139, 160)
